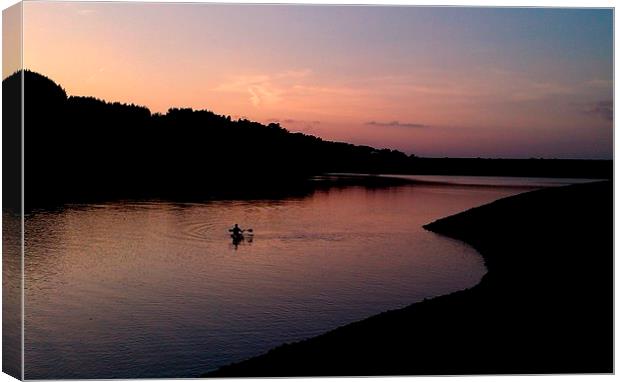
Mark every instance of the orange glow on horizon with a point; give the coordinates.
(376, 93)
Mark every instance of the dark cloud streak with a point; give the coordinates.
(602, 109)
(396, 124)
(289, 120)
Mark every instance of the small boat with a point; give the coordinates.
(237, 235)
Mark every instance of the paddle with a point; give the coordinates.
(250, 230)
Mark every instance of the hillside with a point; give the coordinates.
(83, 148)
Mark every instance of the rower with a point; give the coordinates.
(236, 230)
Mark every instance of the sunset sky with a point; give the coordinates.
(471, 82)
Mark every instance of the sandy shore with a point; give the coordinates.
(545, 305)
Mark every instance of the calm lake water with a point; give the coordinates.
(158, 289)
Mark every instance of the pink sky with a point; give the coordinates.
(429, 81)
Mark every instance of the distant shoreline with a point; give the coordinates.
(545, 305)
(193, 154)
(528, 183)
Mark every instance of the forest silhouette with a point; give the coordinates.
(84, 148)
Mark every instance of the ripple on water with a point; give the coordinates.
(156, 289)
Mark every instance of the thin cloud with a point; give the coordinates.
(86, 12)
(261, 94)
(602, 109)
(264, 89)
(396, 124)
(599, 83)
(533, 91)
(291, 121)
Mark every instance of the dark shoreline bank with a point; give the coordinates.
(545, 305)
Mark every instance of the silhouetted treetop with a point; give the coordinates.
(85, 146)
(80, 147)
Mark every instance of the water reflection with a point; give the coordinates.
(11, 293)
(125, 290)
(244, 239)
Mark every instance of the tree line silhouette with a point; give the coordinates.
(79, 148)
